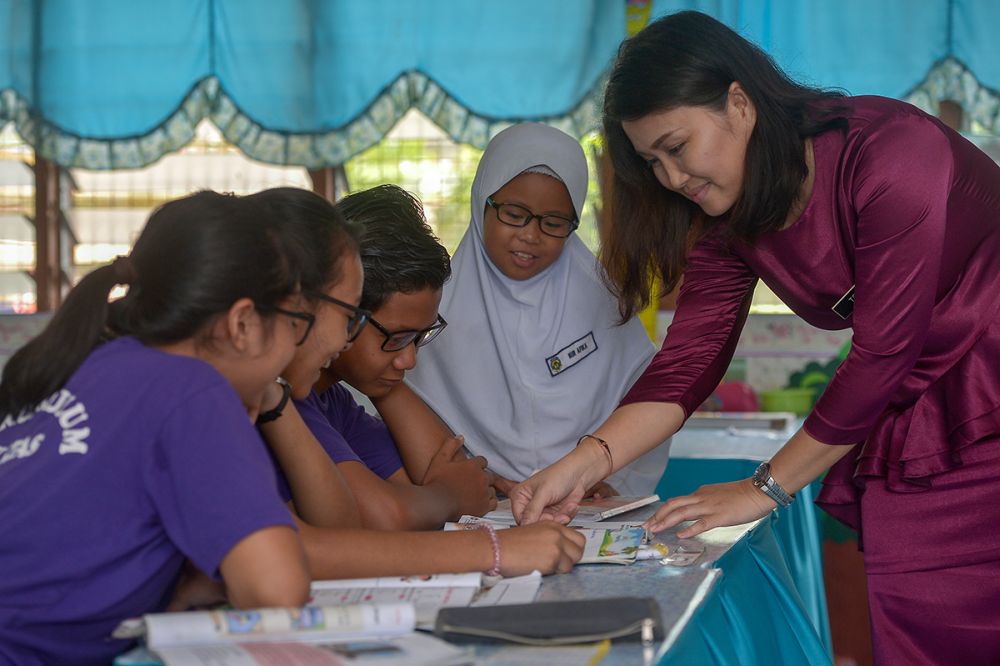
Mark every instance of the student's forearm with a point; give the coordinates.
(389, 506)
(416, 429)
(353, 553)
(319, 492)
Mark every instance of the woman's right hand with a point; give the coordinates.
(554, 493)
(547, 547)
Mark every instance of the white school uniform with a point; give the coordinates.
(526, 367)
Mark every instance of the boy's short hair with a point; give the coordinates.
(399, 250)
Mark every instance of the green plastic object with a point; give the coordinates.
(796, 400)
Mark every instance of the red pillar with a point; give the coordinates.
(48, 273)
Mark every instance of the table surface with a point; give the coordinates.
(749, 611)
(735, 605)
(678, 591)
(681, 592)
(713, 455)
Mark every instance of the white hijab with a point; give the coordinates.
(491, 376)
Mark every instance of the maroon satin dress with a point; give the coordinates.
(907, 212)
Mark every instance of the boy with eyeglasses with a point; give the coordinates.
(405, 269)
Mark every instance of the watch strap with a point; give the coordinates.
(762, 479)
(275, 413)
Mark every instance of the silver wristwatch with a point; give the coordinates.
(762, 479)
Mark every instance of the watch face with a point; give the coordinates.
(761, 474)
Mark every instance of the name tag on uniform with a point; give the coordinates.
(571, 354)
(845, 306)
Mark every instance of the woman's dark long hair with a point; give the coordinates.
(195, 257)
(690, 59)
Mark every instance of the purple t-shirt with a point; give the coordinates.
(142, 459)
(347, 433)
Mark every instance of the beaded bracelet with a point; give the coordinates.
(603, 445)
(495, 544)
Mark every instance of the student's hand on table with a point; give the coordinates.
(601, 489)
(546, 546)
(467, 480)
(715, 505)
(502, 485)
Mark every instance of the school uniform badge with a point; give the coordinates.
(571, 354)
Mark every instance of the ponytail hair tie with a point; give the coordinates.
(123, 270)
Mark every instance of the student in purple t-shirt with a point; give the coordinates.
(405, 269)
(326, 497)
(126, 446)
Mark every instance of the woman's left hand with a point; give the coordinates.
(716, 505)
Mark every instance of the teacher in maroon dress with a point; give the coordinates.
(859, 212)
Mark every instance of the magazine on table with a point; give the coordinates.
(429, 593)
(409, 650)
(605, 544)
(380, 633)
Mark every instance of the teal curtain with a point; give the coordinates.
(118, 83)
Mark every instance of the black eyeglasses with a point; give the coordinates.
(397, 340)
(514, 215)
(357, 319)
(307, 317)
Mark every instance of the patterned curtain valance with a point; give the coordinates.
(118, 83)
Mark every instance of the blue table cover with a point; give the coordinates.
(754, 614)
(796, 528)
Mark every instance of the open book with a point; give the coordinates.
(313, 635)
(428, 594)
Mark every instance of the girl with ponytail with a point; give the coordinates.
(125, 442)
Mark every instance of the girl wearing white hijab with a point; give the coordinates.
(532, 357)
